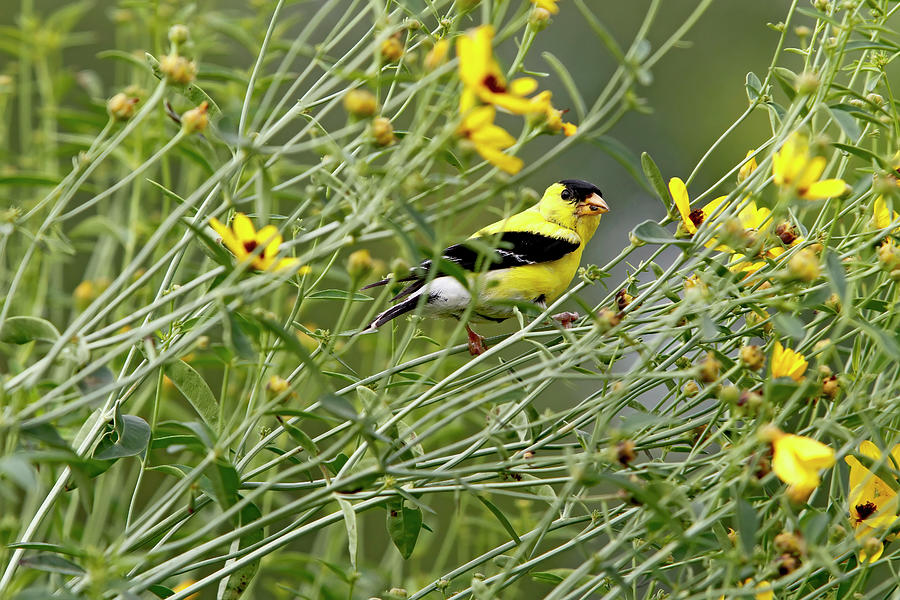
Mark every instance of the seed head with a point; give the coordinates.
(752, 357)
(709, 368)
(787, 233)
(804, 265)
(539, 18)
(360, 103)
(277, 384)
(623, 299)
(392, 49)
(831, 386)
(791, 543)
(196, 119)
(178, 69)
(383, 131)
(807, 83)
(121, 107)
(178, 34)
(625, 452)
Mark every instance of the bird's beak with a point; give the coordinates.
(592, 205)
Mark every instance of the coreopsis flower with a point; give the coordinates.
(483, 79)
(873, 503)
(242, 240)
(488, 139)
(797, 460)
(792, 167)
(691, 219)
(548, 5)
(788, 363)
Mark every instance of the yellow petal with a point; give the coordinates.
(504, 162)
(864, 558)
(711, 209)
(569, 129)
(288, 263)
(766, 593)
(827, 188)
(682, 202)
(797, 460)
(810, 172)
(895, 457)
(479, 118)
(228, 238)
(511, 103)
(523, 86)
(882, 214)
(548, 5)
(467, 101)
(269, 237)
(243, 228)
(792, 471)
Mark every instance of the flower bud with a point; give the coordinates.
(607, 319)
(872, 546)
(121, 107)
(690, 389)
(876, 99)
(383, 131)
(888, 255)
(437, 55)
(709, 368)
(196, 119)
(831, 386)
(804, 265)
(807, 83)
(359, 264)
(729, 394)
(360, 103)
(539, 18)
(822, 5)
(748, 167)
(178, 69)
(695, 288)
(802, 31)
(392, 49)
(752, 357)
(798, 495)
(789, 543)
(178, 34)
(277, 384)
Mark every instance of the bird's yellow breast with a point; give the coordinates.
(530, 283)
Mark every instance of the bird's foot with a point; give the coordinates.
(566, 318)
(476, 342)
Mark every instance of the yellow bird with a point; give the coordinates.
(531, 256)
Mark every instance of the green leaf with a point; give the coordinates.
(785, 78)
(299, 436)
(753, 86)
(160, 591)
(651, 171)
(225, 481)
(339, 295)
(133, 439)
(500, 517)
(846, 122)
(403, 525)
(789, 325)
(887, 343)
(237, 340)
(352, 529)
(652, 232)
(195, 389)
(240, 580)
(862, 153)
(21, 330)
(836, 276)
(51, 563)
(29, 179)
(339, 407)
(747, 524)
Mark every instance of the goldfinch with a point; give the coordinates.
(531, 256)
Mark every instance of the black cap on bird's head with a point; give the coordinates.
(585, 195)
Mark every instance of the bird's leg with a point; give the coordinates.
(476, 342)
(566, 318)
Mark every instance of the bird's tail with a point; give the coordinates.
(392, 313)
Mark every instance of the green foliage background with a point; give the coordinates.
(143, 445)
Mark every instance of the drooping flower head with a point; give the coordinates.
(788, 363)
(243, 240)
(489, 139)
(482, 78)
(793, 167)
(873, 503)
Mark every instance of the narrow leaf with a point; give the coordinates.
(195, 389)
(500, 517)
(21, 330)
(651, 171)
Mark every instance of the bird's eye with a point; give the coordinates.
(566, 194)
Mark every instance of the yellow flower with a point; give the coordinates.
(873, 503)
(555, 122)
(488, 139)
(883, 217)
(787, 363)
(792, 167)
(797, 459)
(748, 167)
(483, 79)
(691, 219)
(548, 5)
(242, 240)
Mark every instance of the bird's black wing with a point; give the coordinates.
(512, 249)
